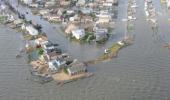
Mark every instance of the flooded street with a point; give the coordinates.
(140, 72)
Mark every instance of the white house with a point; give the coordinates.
(54, 18)
(110, 1)
(70, 11)
(48, 46)
(27, 1)
(81, 2)
(168, 3)
(56, 64)
(107, 4)
(33, 5)
(3, 7)
(71, 19)
(86, 10)
(131, 17)
(10, 18)
(43, 12)
(147, 13)
(78, 33)
(31, 30)
(101, 34)
(53, 65)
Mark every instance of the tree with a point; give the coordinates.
(40, 51)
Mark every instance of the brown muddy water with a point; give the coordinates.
(140, 72)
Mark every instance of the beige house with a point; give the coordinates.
(76, 68)
(54, 18)
(104, 19)
(64, 3)
(70, 27)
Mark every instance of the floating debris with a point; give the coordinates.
(40, 78)
(18, 56)
(167, 45)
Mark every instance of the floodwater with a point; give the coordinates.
(140, 72)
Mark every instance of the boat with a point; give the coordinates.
(106, 51)
(121, 43)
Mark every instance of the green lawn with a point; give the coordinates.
(54, 22)
(112, 52)
(2, 19)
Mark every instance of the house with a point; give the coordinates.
(81, 2)
(43, 43)
(32, 43)
(50, 46)
(70, 27)
(33, 5)
(86, 19)
(92, 5)
(78, 33)
(163, 1)
(131, 17)
(56, 65)
(54, 18)
(88, 26)
(110, 1)
(26, 1)
(168, 3)
(10, 18)
(60, 62)
(115, 2)
(2, 7)
(147, 13)
(76, 69)
(64, 2)
(101, 34)
(18, 22)
(50, 3)
(44, 12)
(51, 55)
(31, 30)
(59, 12)
(71, 19)
(58, 51)
(41, 40)
(107, 4)
(149, 1)
(74, 18)
(104, 18)
(86, 10)
(69, 12)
